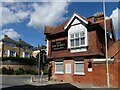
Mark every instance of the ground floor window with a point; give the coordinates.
(26, 55)
(11, 53)
(68, 68)
(79, 67)
(59, 67)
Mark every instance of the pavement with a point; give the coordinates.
(45, 82)
(28, 81)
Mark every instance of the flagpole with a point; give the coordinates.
(107, 68)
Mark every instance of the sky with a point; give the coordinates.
(26, 20)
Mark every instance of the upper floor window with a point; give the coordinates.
(77, 38)
(10, 44)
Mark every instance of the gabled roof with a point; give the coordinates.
(60, 28)
(7, 39)
(49, 29)
(78, 16)
(23, 43)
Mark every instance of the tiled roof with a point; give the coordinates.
(7, 39)
(108, 23)
(58, 29)
(21, 42)
(49, 29)
(114, 49)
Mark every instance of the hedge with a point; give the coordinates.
(21, 61)
(20, 71)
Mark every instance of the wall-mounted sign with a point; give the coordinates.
(59, 45)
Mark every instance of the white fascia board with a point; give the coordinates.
(103, 59)
(86, 22)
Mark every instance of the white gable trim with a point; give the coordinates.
(86, 22)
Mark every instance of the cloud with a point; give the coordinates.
(38, 14)
(116, 20)
(47, 14)
(10, 16)
(10, 32)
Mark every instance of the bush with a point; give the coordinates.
(7, 71)
(45, 72)
(20, 71)
(4, 70)
(21, 61)
(17, 72)
(32, 72)
(10, 71)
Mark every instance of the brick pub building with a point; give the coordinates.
(76, 50)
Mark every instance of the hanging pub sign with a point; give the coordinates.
(59, 45)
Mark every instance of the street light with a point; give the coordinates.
(39, 67)
(107, 71)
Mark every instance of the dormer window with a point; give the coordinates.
(77, 38)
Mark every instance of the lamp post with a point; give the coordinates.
(39, 67)
(107, 68)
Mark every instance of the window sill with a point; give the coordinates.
(78, 47)
(58, 72)
(79, 73)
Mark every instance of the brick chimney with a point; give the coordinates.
(5, 36)
(99, 16)
(20, 39)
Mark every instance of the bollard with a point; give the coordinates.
(32, 78)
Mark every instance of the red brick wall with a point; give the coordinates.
(92, 47)
(97, 77)
(99, 74)
(84, 79)
(113, 50)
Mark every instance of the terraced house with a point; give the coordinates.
(11, 48)
(76, 50)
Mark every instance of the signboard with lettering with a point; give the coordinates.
(59, 45)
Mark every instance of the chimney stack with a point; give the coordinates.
(20, 39)
(5, 36)
(99, 16)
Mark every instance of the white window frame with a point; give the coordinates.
(79, 37)
(25, 56)
(68, 68)
(78, 73)
(78, 29)
(58, 62)
(9, 53)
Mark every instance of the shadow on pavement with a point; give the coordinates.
(54, 86)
